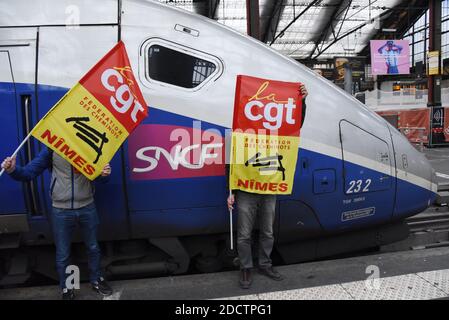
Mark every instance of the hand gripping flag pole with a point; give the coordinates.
(17, 150)
(28, 137)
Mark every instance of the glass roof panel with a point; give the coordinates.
(355, 20)
(183, 4)
(232, 13)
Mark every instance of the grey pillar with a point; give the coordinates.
(252, 18)
(348, 78)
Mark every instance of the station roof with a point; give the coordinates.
(311, 29)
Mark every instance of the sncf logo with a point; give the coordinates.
(116, 81)
(176, 158)
(271, 113)
(159, 151)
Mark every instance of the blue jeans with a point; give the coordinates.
(64, 222)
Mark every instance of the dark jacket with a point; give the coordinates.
(68, 189)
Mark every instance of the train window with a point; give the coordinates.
(178, 68)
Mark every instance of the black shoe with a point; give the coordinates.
(102, 287)
(271, 273)
(68, 294)
(245, 278)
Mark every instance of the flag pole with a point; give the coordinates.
(230, 224)
(231, 232)
(18, 149)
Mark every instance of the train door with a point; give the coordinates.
(369, 178)
(23, 65)
(11, 196)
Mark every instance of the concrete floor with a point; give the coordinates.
(330, 279)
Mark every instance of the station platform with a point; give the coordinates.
(415, 274)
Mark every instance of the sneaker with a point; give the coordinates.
(68, 294)
(271, 273)
(102, 287)
(245, 279)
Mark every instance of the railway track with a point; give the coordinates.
(429, 229)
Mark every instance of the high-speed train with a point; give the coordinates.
(164, 208)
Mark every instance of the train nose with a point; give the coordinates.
(416, 180)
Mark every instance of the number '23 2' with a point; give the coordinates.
(356, 186)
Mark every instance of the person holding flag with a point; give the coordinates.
(72, 203)
(257, 207)
(83, 131)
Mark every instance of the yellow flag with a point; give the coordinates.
(265, 136)
(88, 125)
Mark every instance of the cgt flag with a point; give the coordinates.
(265, 136)
(91, 121)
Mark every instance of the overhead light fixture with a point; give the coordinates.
(389, 30)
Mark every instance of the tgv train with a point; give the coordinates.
(164, 208)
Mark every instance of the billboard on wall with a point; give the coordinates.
(389, 57)
(357, 65)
